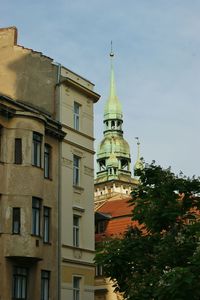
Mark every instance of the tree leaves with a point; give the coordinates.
(161, 258)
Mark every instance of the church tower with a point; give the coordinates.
(113, 155)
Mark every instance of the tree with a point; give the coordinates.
(160, 258)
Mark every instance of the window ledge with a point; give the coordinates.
(48, 178)
(47, 243)
(78, 189)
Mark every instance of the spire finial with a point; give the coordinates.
(139, 161)
(111, 49)
(138, 147)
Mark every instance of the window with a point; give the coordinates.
(76, 170)
(36, 216)
(46, 224)
(45, 282)
(76, 116)
(99, 270)
(18, 151)
(76, 228)
(16, 220)
(100, 227)
(76, 288)
(20, 283)
(1, 127)
(36, 149)
(47, 160)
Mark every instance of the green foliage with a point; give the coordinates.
(160, 259)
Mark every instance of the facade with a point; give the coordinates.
(113, 184)
(65, 97)
(29, 146)
(77, 186)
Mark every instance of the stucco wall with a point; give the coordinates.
(25, 74)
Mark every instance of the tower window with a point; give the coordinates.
(124, 164)
(102, 165)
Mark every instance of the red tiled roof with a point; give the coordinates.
(116, 208)
(120, 212)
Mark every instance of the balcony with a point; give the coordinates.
(27, 247)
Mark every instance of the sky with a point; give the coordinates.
(157, 65)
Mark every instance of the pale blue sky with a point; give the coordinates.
(157, 64)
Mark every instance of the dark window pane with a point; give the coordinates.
(20, 283)
(76, 170)
(47, 160)
(18, 151)
(36, 216)
(46, 229)
(16, 220)
(36, 149)
(45, 282)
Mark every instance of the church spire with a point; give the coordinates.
(112, 109)
(139, 163)
(113, 155)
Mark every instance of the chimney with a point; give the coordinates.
(8, 37)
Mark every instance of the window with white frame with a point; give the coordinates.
(36, 149)
(76, 288)
(76, 230)
(46, 224)
(45, 284)
(36, 207)
(20, 276)
(76, 170)
(76, 116)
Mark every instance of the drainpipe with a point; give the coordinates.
(58, 116)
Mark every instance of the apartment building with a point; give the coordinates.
(35, 80)
(29, 146)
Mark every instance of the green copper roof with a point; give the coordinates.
(112, 109)
(113, 155)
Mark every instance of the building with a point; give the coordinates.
(77, 186)
(113, 156)
(113, 184)
(29, 146)
(67, 98)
